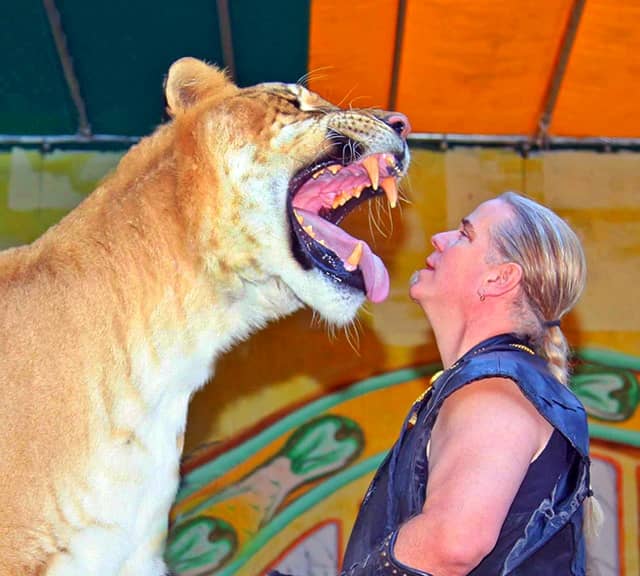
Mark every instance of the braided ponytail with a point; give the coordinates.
(555, 348)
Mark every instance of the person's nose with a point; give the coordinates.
(440, 240)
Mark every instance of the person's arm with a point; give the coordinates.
(485, 437)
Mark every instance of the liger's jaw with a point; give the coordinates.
(320, 196)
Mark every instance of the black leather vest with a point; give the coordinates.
(544, 540)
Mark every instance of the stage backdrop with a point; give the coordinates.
(282, 442)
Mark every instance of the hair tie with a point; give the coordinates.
(551, 323)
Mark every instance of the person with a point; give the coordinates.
(490, 472)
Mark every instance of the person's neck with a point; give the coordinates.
(454, 340)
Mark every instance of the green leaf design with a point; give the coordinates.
(200, 545)
(607, 393)
(323, 445)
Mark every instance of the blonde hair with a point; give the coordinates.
(554, 273)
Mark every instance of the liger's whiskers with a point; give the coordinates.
(373, 220)
(401, 202)
(378, 219)
(352, 155)
(409, 185)
(353, 337)
(403, 199)
(344, 98)
(359, 327)
(326, 148)
(353, 100)
(389, 219)
(331, 331)
(313, 75)
(370, 220)
(386, 217)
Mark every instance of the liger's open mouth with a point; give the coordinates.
(320, 196)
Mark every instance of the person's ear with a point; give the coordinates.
(502, 279)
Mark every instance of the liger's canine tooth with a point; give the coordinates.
(371, 166)
(334, 168)
(299, 218)
(309, 231)
(391, 190)
(352, 262)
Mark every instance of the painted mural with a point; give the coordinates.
(309, 469)
(283, 441)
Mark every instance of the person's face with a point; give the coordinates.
(456, 270)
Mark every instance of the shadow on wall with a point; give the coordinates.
(287, 362)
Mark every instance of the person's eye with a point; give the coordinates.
(464, 233)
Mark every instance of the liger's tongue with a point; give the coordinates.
(376, 277)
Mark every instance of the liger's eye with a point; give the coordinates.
(293, 100)
(292, 95)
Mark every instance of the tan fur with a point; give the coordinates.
(112, 319)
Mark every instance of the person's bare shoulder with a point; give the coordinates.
(492, 411)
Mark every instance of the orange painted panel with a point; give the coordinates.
(601, 87)
(479, 66)
(351, 47)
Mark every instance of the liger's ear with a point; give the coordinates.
(190, 80)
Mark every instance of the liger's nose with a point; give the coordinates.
(399, 122)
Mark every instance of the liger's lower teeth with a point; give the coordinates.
(351, 263)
